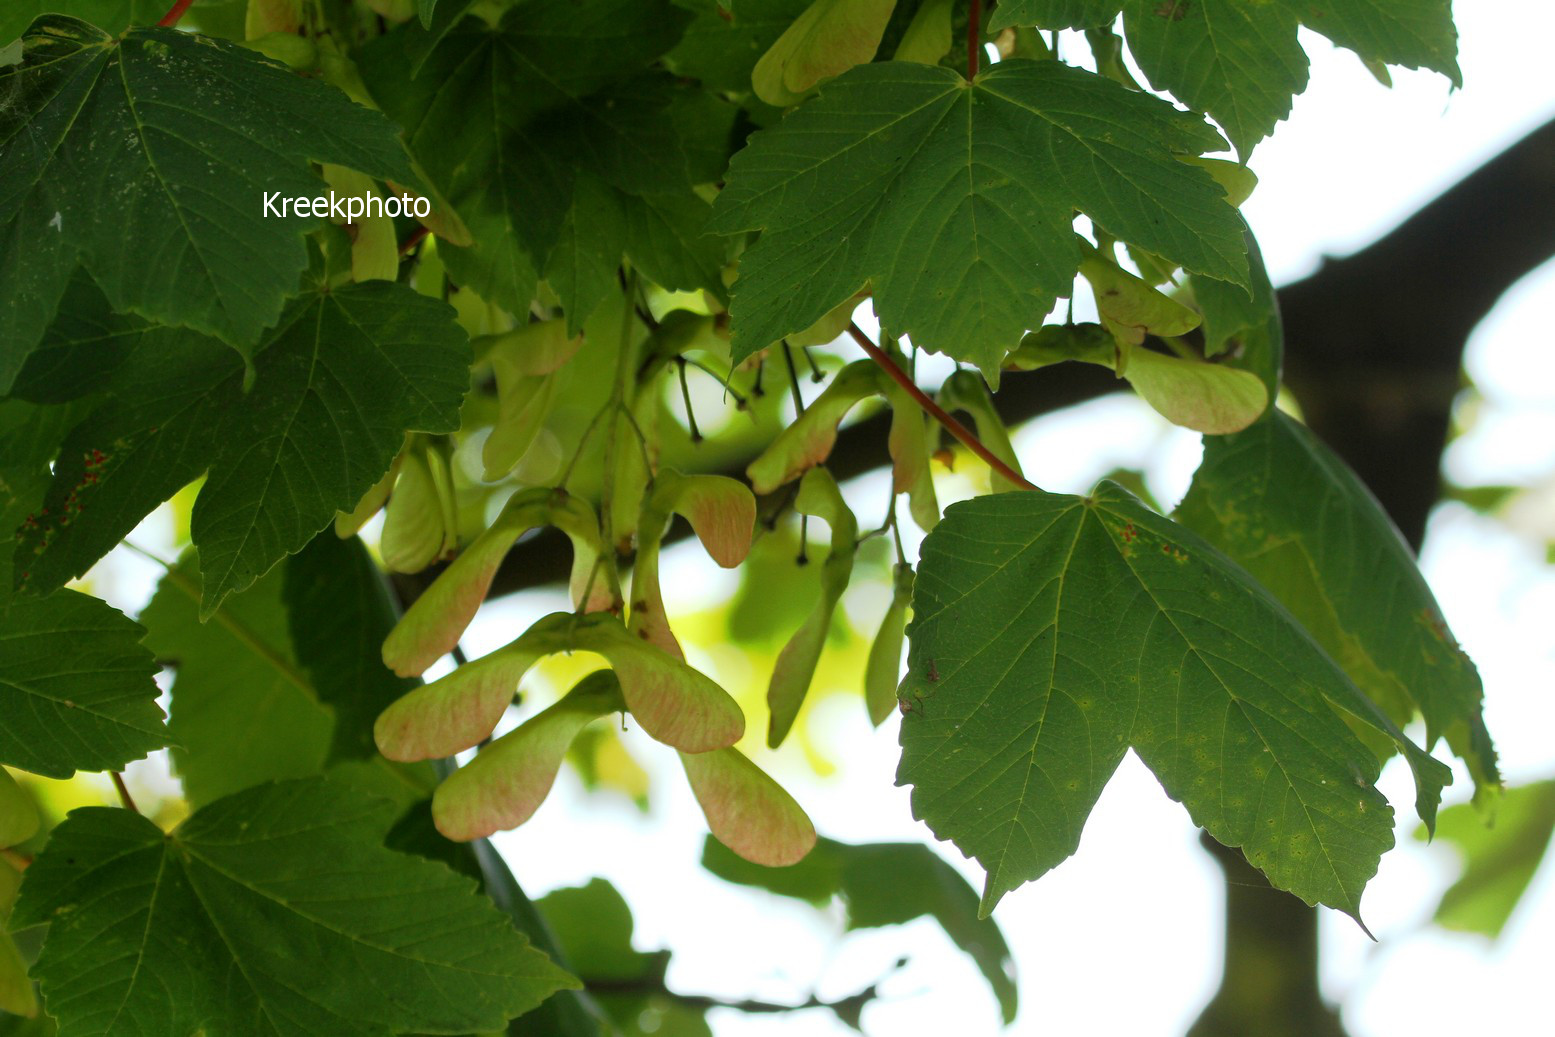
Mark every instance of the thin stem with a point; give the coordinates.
(642, 440)
(174, 13)
(974, 25)
(896, 534)
(640, 987)
(761, 367)
(16, 859)
(815, 372)
(729, 390)
(583, 441)
(793, 377)
(124, 793)
(934, 410)
(685, 396)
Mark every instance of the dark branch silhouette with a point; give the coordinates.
(1374, 345)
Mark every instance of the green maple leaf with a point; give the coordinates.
(499, 117)
(75, 687)
(1499, 860)
(1278, 502)
(1241, 62)
(108, 15)
(146, 157)
(29, 440)
(339, 611)
(243, 711)
(230, 925)
(956, 201)
(583, 264)
(337, 383)
(725, 40)
(1054, 14)
(1052, 633)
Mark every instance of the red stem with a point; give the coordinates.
(176, 12)
(938, 413)
(974, 25)
(124, 793)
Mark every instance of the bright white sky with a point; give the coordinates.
(1125, 937)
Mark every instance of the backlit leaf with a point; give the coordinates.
(75, 687)
(956, 201)
(226, 925)
(1051, 633)
(244, 711)
(338, 382)
(1284, 507)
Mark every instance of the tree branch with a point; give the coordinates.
(1374, 341)
(1374, 344)
(847, 1007)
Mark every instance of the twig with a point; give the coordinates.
(642, 440)
(124, 793)
(974, 25)
(16, 859)
(685, 395)
(849, 1004)
(954, 427)
(793, 377)
(174, 13)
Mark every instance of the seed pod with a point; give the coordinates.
(508, 780)
(674, 703)
(928, 35)
(419, 527)
(809, 440)
(883, 670)
(1129, 307)
(795, 666)
(524, 361)
(18, 815)
(375, 253)
(431, 627)
(1206, 397)
(830, 37)
(271, 16)
(722, 513)
(746, 810)
(911, 450)
(965, 391)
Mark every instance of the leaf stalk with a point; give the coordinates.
(935, 411)
(170, 19)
